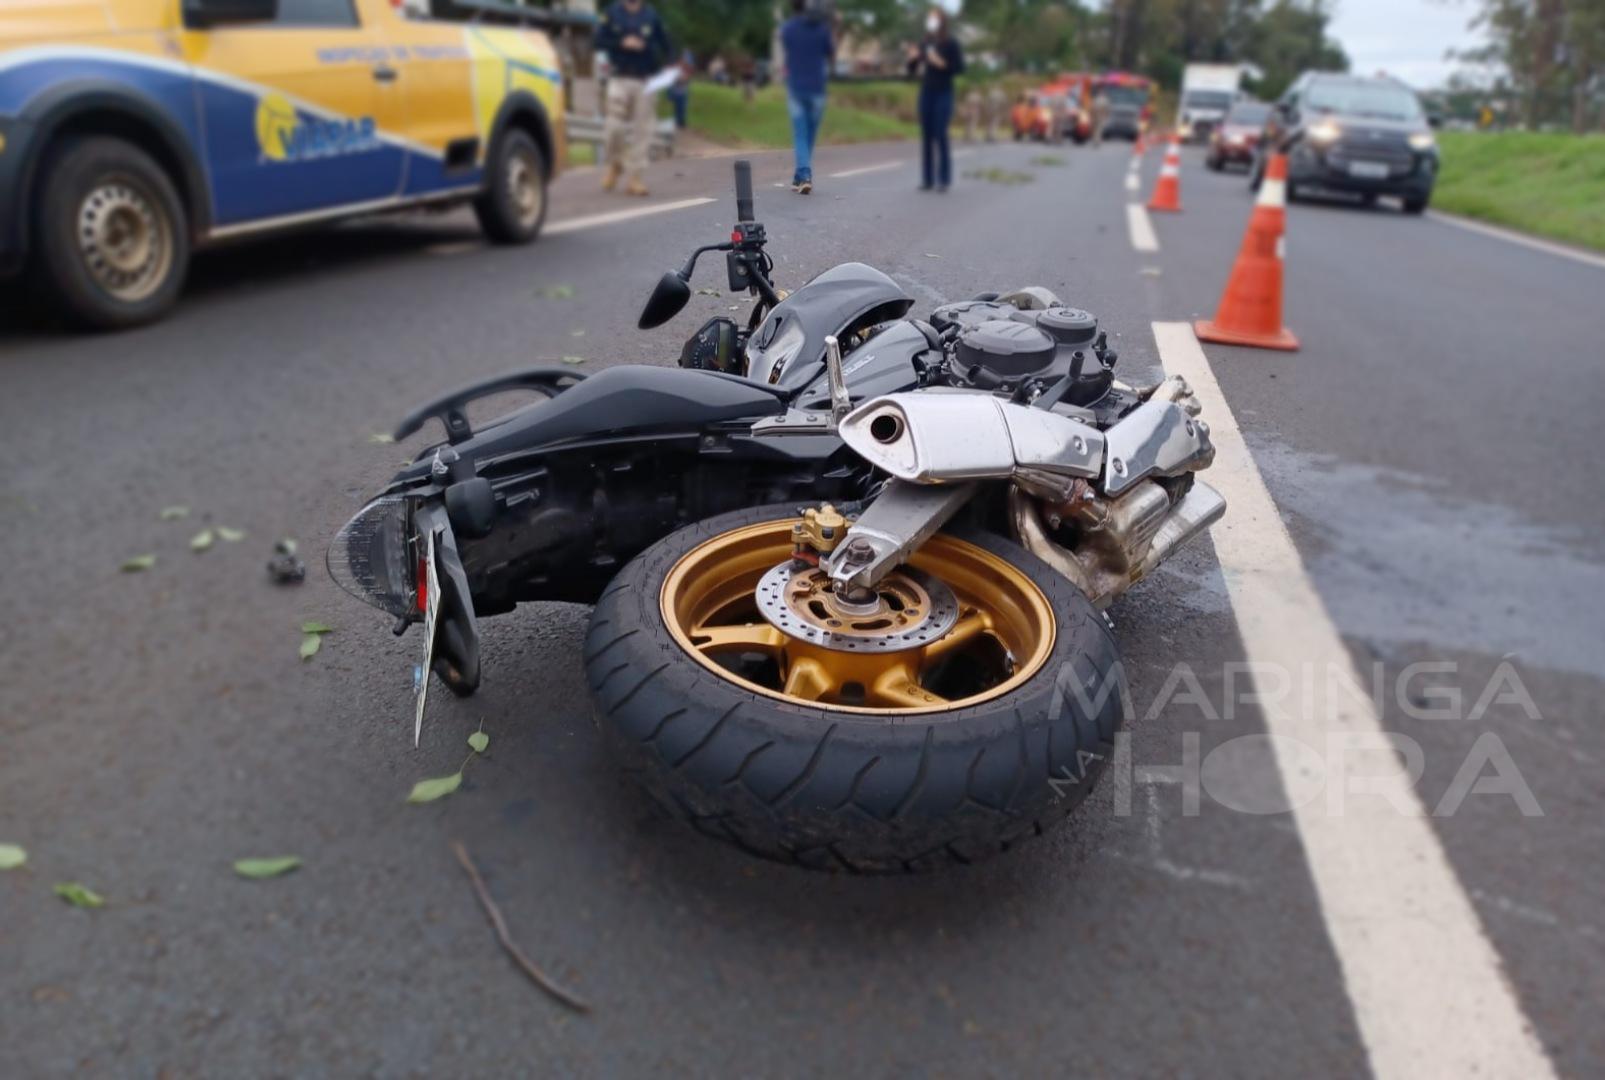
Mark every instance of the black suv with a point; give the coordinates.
(1345, 133)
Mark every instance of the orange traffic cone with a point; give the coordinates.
(1250, 310)
(1139, 148)
(1167, 192)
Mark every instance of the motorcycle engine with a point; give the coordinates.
(997, 346)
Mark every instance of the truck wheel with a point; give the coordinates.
(1416, 204)
(113, 242)
(513, 207)
(885, 752)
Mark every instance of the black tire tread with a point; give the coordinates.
(833, 791)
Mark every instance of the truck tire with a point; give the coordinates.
(832, 785)
(1416, 204)
(112, 244)
(513, 206)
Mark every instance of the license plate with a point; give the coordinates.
(1368, 170)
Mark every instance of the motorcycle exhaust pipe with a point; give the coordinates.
(1200, 508)
(1104, 575)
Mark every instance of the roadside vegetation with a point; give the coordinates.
(721, 115)
(1544, 183)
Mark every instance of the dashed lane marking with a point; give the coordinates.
(860, 171)
(1141, 229)
(613, 217)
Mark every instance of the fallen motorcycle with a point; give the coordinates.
(848, 565)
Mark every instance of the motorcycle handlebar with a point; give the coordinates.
(744, 191)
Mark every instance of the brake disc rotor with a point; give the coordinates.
(908, 609)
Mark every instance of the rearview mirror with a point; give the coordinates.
(672, 294)
(200, 14)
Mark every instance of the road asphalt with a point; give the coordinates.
(1429, 452)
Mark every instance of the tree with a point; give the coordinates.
(1030, 35)
(1288, 39)
(1554, 51)
(735, 28)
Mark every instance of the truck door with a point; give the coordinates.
(292, 112)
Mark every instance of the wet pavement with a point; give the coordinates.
(1428, 450)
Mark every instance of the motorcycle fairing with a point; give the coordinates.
(788, 348)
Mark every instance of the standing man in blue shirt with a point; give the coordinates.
(637, 48)
(810, 46)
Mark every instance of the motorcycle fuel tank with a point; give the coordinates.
(788, 349)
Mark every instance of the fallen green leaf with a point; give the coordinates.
(80, 896)
(381, 437)
(266, 868)
(230, 536)
(138, 563)
(285, 546)
(573, 359)
(709, 292)
(312, 626)
(430, 790)
(202, 540)
(558, 292)
(12, 856)
(479, 741)
(174, 513)
(310, 644)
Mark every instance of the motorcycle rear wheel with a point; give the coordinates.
(890, 761)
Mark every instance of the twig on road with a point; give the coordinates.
(536, 975)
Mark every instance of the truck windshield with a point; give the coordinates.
(1383, 101)
(1126, 95)
(1207, 99)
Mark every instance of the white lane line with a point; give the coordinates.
(613, 217)
(1428, 989)
(1596, 261)
(1141, 228)
(865, 169)
(1132, 180)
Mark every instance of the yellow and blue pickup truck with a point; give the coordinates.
(134, 131)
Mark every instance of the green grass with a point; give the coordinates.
(719, 114)
(1549, 184)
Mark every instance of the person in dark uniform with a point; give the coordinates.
(938, 60)
(637, 47)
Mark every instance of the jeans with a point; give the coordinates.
(807, 110)
(679, 96)
(936, 154)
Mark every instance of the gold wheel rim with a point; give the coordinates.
(1003, 635)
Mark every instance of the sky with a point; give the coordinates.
(1405, 38)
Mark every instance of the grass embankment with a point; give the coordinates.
(719, 114)
(1548, 184)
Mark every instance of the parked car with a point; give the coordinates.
(1235, 139)
(134, 132)
(1366, 136)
